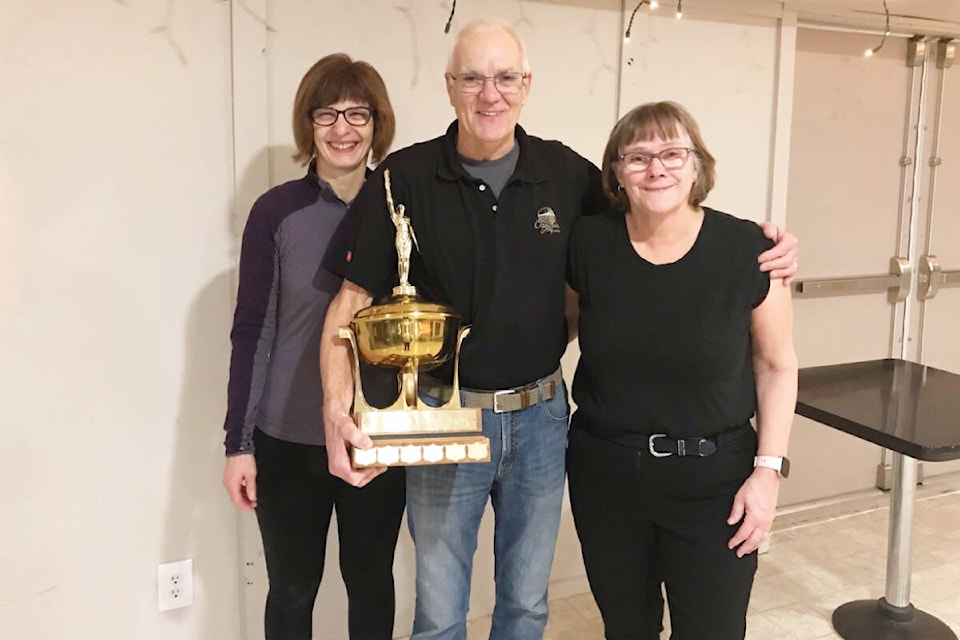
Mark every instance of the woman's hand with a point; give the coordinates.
(240, 480)
(754, 507)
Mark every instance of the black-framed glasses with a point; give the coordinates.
(672, 158)
(506, 82)
(357, 116)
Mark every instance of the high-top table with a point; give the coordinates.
(913, 410)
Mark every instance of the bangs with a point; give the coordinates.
(342, 84)
(655, 123)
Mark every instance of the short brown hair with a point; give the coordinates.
(334, 78)
(651, 119)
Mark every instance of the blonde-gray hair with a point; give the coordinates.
(483, 26)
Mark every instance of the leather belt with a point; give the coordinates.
(500, 401)
(661, 445)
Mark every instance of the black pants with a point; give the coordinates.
(296, 495)
(644, 522)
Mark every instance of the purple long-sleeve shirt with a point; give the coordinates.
(281, 304)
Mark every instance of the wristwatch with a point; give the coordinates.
(779, 464)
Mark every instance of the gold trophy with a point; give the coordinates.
(411, 335)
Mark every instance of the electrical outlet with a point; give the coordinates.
(175, 585)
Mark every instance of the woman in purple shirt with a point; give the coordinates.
(276, 460)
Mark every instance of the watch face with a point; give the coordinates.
(785, 467)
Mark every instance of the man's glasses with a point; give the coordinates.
(506, 82)
(357, 116)
(673, 158)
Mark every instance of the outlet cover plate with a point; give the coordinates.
(174, 585)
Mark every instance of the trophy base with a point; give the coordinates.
(412, 451)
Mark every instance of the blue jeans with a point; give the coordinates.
(445, 503)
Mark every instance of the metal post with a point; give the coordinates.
(899, 543)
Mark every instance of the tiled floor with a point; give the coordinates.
(812, 567)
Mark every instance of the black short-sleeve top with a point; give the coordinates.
(665, 348)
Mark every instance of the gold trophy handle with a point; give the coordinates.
(359, 401)
(408, 384)
(454, 401)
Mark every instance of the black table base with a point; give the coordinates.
(878, 620)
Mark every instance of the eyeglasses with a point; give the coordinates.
(506, 82)
(357, 116)
(673, 158)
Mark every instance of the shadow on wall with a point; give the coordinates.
(282, 165)
(201, 523)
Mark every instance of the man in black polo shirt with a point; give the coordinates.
(491, 208)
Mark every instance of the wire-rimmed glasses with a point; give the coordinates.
(672, 158)
(506, 82)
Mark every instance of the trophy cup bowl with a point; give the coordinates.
(393, 334)
(408, 334)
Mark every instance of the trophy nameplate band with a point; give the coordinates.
(412, 423)
(407, 452)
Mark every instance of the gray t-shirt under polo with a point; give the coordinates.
(494, 173)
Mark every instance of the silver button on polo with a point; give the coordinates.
(493, 208)
(483, 187)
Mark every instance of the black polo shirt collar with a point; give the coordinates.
(529, 169)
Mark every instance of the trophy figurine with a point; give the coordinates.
(411, 335)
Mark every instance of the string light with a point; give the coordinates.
(886, 31)
(653, 5)
(453, 10)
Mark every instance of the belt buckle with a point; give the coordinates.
(654, 452)
(497, 396)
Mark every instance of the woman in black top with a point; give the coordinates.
(276, 459)
(683, 341)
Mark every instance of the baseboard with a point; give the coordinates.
(851, 504)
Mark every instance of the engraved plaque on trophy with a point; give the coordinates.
(411, 335)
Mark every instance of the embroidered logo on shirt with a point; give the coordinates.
(349, 256)
(546, 221)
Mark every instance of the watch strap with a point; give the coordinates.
(780, 464)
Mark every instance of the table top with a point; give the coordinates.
(904, 406)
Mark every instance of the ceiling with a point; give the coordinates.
(927, 17)
(930, 16)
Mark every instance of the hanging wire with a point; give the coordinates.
(886, 31)
(653, 5)
(453, 10)
(680, 9)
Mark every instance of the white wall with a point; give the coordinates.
(724, 73)
(115, 230)
(118, 241)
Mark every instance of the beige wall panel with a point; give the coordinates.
(116, 196)
(724, 73)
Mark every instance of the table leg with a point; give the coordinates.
(893, 617)
(900, 532)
